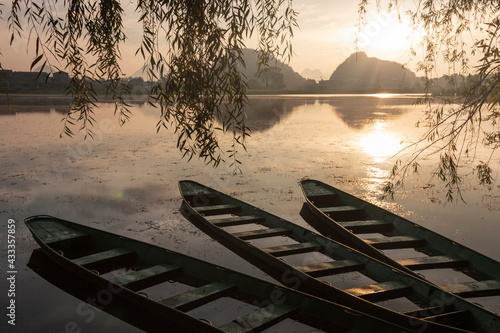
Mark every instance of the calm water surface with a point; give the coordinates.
(125, 181)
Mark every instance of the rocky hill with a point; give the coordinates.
(314, 74)
(357, 74)
(280, 76)
(360, 73)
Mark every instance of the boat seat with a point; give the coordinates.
(237, 220)
(321, 196)
(432, 262)
(339, 209)
(395, 242)
(262, 233)
(322, 199)
(110, 258)
(332, 267)
(474, 289)
(285, 250)
(367, 226)
(260, 319)
(380, 291)
(217, 209)
(147, 277)
(343, 213)
(197, 297)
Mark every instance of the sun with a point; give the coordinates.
(385, 36)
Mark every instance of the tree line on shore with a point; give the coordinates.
(357, 74)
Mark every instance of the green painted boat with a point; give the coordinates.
(248, 231)
(343, 217)
(93, 300)
(123, 267)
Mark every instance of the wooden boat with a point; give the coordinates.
(435, 310)
(341, 216)
(90, 306)
(123, 267)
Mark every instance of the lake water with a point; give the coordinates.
(125, 181)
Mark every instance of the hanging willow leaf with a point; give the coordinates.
(192, 50)
(458, 123)
(36, 61)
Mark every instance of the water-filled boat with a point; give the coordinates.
(125, 268)
(326, 265)
(346, 218)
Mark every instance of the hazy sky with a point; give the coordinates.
(325, 37)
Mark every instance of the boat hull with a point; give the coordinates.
(200, 202)
(62, 241)
(459, 257)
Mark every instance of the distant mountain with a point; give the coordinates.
(357, 74)
(360, 73)
(313, 74)
(279, 76)
(141, 72)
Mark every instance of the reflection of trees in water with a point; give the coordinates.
(11, 104)
(266, 112)
(358, 111)
(263, 113)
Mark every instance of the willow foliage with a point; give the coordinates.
(464, 34)
(192, 50)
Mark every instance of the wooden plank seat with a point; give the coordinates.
(380, 291)
(395, 242)
(323, 196)
(367, 226)
(217, 209)
(262, 233)
(260, 319)
(199, 296)
(237, 220)
(340, 209)
(285, 250)
(108, 258)
(147, 277)
(343, 213)
(322, 199)
(432, 262)
(332, 267)
(474, 289)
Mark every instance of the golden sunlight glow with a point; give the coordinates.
(380, 144)
(382, 95)
(385, 36)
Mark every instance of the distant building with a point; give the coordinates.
(33, 82)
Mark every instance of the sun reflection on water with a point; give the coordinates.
(380, 143)
(376, 177)
(383, 95)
